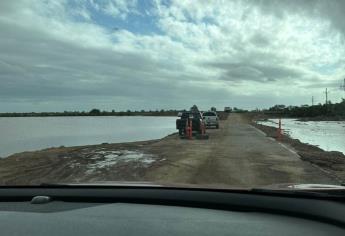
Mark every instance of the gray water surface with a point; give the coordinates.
(18, 134)
(328, 135)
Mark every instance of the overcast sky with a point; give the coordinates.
(120, 54)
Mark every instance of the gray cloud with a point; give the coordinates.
(43, 67)
(47, 69)
(251, 71)
(322, 85)
(260, 40)
(324, 10)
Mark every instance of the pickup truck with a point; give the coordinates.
(185, 117)
(211, 119)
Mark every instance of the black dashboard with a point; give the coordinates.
(151, 211)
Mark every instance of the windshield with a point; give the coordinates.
(209, 114)
(115, 91)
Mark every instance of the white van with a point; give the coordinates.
(211, 119)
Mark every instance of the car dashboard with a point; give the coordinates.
(165, 212)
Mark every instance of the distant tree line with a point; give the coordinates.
(93, 112)
(320, 110)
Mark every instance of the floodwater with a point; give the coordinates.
(18, 134)
(328, 135)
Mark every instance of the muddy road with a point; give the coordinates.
(236, 155)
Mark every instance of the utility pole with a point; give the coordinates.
(326, 92)
(312, 100)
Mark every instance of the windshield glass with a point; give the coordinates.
(209, 114)
(115, 91)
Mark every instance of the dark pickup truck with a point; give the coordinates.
(185, 117)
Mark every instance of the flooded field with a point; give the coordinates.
(18, 134)
(328, 135)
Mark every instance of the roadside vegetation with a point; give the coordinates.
(329, 111)
(98, 112)
(93, 112)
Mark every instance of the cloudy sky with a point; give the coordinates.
(117, 54)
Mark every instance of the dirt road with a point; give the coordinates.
(237, 154)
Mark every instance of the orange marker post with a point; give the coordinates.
(190, 129)
(202, 128)
(186, 133)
